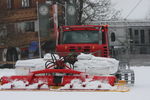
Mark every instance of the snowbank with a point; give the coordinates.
(18, 84)
(96, 65)
(86, 63)
(15, 84)
(30, 63)
(76, 84)
(88, 84)
(7, 72)
(23, 67)
(35, 63)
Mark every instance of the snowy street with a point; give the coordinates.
(141, 90)
(75, 50)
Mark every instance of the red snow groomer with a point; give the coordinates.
(61, 74)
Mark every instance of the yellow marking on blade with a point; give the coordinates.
(121, 82)
(55, 87)
(122, 86)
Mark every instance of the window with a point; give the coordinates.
(9, 4)
(136, 36)
(149, 35)
(113, 37)
(130, 33)
(81, 36)
(25, 3)
(29, 27)
(142, 36)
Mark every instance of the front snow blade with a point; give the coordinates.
(118, 87)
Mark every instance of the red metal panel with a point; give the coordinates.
(110, 79)
(57, 71)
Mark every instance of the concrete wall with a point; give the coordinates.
(140, 60)
(121, 36)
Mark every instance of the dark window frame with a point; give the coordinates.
(25, 3)
(30, 27)
(142, 36)
(130, 33)
(136, 36)
(149, 35)
(9, 4)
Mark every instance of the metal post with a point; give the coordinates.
(13, 61)
(55, 17)
(39, 38)
(65, 13)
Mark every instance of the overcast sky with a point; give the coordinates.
(127, 5)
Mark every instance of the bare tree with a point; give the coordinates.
(147, 17)
(90, 10)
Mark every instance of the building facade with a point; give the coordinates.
(133, 34)
(19, 26)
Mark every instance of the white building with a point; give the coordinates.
(134, 34)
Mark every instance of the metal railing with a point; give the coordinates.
(140, 49)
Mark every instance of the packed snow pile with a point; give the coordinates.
(40, 62)
(7, 72)
(18, 84)
(75, 84)
(86, 63)
(23, 67)
(14, 84)
(96, 65)
(30, 63)
(88, 84)
(35, 62)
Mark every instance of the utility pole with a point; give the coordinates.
(39, 38)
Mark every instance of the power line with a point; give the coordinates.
(133, 9)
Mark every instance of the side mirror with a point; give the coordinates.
(113, 37)
(131, 41)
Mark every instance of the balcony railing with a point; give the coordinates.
(18, 15)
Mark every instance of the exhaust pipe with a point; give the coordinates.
(0, 81)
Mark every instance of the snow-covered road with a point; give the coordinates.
(141, 91)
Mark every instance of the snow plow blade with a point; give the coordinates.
(57, 89)
(62, 80)
(120, 86)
